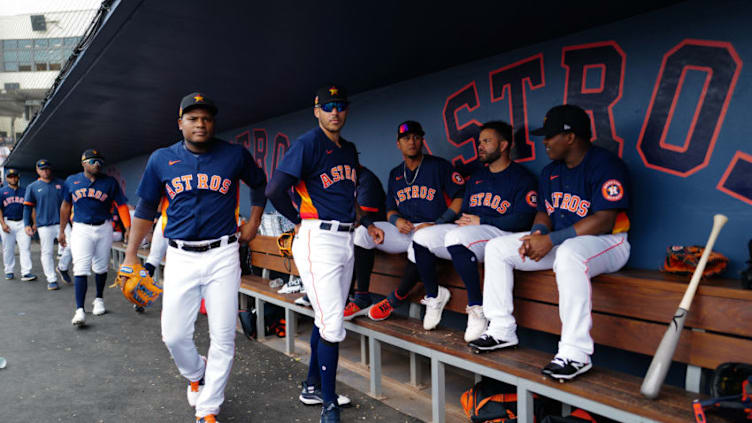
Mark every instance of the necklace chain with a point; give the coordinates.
(415, 176)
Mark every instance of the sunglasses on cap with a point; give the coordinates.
(93, 162)
(340, 105)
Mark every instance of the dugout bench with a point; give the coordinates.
(631, 309)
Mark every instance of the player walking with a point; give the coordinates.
(580, 230)
(46, 195)
(92, 195)
(200, 176)
(11, 216)
(423, 189)
(499, 198)
(322, 166)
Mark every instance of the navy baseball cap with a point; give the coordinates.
(409, 127)
(43, 164)
(11, 172)
(92, 154)
(565, 118)
(195, 100)
(330, 93)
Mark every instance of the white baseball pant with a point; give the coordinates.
(17, 235)
(395, 242)
(574, 261)
(90, 247)
(189, 276)
(47, 236)
(158, 246)
(325, 261)
(437, 238)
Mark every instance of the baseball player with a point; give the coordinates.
(45, 195)
(580, 230)
(90, 195)
(323, 167)
(499, 198)
(11, 220)
(200, 177)
(423, 189)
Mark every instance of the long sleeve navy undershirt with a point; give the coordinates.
(277, 192)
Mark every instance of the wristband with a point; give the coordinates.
(393, 218)
(540, 227)
(366, 221)
(557, 237)
(448, 216)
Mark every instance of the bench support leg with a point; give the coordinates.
(524, 405)
(291, 324)
(416, 375)
(260, 326)
(478, 377)
(693, 379)
(374, 347)
(363, 350)
(566, 409)
(265, 273)
(438, 391)
(416, 371)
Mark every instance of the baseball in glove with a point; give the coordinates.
(683, 260)
(137, 286)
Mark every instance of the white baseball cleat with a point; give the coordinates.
(434, 308)
(476, 323)
(98, 309)
(79, 318)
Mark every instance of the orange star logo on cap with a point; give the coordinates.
(333, 91)
(198, 98)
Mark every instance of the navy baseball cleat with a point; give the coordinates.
(29, 277)
(64, 276)
(487, 342)
(52, 286)
(330, 413)
(9, 276)
(565, 369)
(311, 395)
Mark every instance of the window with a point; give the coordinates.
(40, 66)
(71, 41)
(40, 54)
(55, 66)
(10, 56)
(24, 68)
(25, 44)
(10, 44)
(11, 66)
(56, 42)
(41, 43)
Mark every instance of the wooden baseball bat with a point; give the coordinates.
(656, 374)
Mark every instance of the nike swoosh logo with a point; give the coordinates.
(398, 178)
(554, 177)
(172, 162)
(478, 182)
(76, 182)
(329, 151)
(39, 190)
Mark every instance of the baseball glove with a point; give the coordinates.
(684, 260)
(284, 242)
(137, 286)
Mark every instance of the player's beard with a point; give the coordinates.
(491, 157)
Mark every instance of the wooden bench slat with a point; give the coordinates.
(275, 263)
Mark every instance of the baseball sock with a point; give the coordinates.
(426, 262)
(328, 358)
(80, 285)
(466, 264)
(363, 265)
(314, 374)
(409, 279)
(150, 268)
(100, 278)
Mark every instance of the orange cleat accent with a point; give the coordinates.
(381, 310)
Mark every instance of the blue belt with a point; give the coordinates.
(343, 227)
(200, 248)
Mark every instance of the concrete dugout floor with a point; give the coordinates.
(117, 369)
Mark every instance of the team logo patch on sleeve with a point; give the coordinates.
(457, 178)
(532, 198)
(612, 190)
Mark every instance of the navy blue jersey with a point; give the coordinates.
(12, 202)
(326, 175)
(599, 182)
(46, 197)
(201, 191)
(512, 190)
(370, 193)
(93, 201)
(424, 194)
